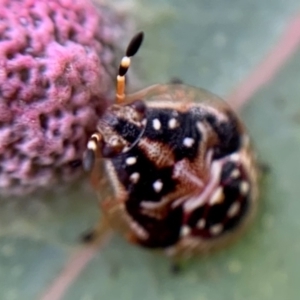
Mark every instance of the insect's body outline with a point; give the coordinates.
(181, 169)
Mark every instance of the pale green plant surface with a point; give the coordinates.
(207, 44)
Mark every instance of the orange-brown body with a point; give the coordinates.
(181, 173)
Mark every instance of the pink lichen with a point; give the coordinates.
(56, 65)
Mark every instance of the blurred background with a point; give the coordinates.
(245, 51)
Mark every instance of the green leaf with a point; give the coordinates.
(212, 44)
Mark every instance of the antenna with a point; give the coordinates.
(93, 143)
(132, 49)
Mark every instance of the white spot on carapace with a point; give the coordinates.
(157, 186)
(173, 123)
(156, 124)
(235, 173)
(234, 209)
(144, 122)
(216, 229)
(130, 161)
(235, 157)
(201, 224)
(185, 230)
(244, 188)
(217, 197)
(134, 177)
(188, 142)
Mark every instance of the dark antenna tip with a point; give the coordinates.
(135, 44)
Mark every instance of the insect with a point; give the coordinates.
(179, 165)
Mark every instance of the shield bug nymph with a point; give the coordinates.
(179, 164)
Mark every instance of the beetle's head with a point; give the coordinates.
(121, 127)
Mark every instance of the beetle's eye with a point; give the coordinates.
(139, 106)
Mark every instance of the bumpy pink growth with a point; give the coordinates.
(56, 66)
